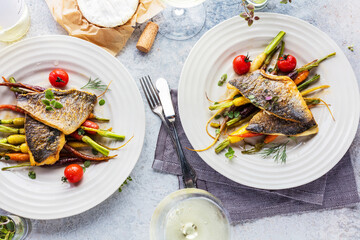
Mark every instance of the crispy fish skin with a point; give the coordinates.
(44, 142)
(278, 96)
(269, 124)
(77, 106)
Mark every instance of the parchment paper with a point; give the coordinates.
(68, 15)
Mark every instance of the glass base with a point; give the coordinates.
(181, 23)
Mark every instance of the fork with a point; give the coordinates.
(152, 97)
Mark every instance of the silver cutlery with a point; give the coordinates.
(159, 104)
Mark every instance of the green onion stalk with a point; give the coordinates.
(16, 166)
(222, 145)
(315, 64)
(259, 60)
(105, 133)
(307, 83)
(5, 145)
(309, 66)
(95, 145)
(6, 129)
(276, 68)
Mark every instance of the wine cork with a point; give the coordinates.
(147, 38)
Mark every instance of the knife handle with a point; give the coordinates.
(189, 174)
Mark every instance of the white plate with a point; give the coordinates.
(212, 56)
(46, 197)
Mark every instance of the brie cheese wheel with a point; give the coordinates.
(108, 13)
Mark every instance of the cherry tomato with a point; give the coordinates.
(90, 124)
(76, 135)
(287, 63)
(58, 78)
(73, 173)
(241, 64)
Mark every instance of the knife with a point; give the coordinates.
(189, 174)
(165, 98)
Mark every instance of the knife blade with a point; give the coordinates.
(165, 98)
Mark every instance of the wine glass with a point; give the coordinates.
(14, 20)
(190, 214)
(181, 19)
(258, 4)
(20, 226)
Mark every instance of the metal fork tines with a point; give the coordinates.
(153, 99)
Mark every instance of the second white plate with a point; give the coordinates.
(46, 197)
(212, 56)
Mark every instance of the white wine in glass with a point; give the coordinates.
(181, 19)
(190, 214)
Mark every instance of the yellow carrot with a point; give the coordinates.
(303, 93)
(24, 148)
(16, 139)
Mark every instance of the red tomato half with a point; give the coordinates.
(287, 63)
(73, 173)
(241, 64)
(58, 78)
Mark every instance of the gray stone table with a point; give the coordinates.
(126, 215)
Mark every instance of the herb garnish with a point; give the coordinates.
(125, 182)
(50, 105)
(351, 48)
(7, 228)
(81, 131)
(248, 13)
(232, 114)
(257, 148)
(32, 175)
(252, 99)
(101, 102)
(86, 165)
(230, 153)
(222, 79)
(277, 152)
(217, 116)
(95, 84)
(217, 131)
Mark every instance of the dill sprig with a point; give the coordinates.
(96, 84)
(277, 152)
(125, 183)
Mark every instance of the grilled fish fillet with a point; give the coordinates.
(44, 142)
(277, 95)
(77, 106)
(266, 123)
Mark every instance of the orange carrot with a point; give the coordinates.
(301, 77)
(11, 107)
(270, 138)
(247, 135)
(5, 80)
(19, 157)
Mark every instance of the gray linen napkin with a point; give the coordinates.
(334, 190)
